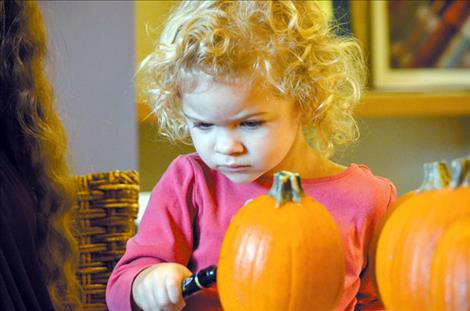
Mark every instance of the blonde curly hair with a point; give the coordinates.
(288, 44)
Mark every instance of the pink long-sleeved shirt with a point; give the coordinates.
(192, 205)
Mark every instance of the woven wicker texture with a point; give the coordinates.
(107, 205)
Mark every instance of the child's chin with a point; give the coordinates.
(241, 178)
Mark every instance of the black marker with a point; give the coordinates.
(202, 279)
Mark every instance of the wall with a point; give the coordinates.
(154, 152)
(149, 21)
(91, 65)
(397, 148)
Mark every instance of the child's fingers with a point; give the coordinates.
(146, 300)
(143, 295)
(161, 295)
(159, 287)
(173, 288)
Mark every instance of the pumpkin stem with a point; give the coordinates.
(286, 187)
(436, 176)
(460, 172)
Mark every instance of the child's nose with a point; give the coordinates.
(228, 143)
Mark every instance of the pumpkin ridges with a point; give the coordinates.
(330, 248)
(241, 267)
(276, 296)
(413, 232)
(305, 261)
(450, 262)
(297, 230)
(283, 230)
(372, 254)
(389, 251)
(416, 257)
(393, 259)
(391, 271)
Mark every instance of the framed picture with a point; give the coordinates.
(420, 45)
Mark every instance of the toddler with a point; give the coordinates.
(258, 87)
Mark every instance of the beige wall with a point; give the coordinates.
(91, 64)
(149, 18)
(397, 147)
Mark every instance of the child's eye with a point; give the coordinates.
(202, 125)
(253, 124)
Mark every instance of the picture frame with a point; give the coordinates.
(413, 73)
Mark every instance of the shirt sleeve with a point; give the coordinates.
(165, 233)
(368, 297)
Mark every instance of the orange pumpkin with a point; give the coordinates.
(374, 243)
(282, 251)
(450, 277)
(409, 237)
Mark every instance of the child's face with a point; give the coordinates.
(242, 131)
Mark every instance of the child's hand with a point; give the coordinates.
(159, 287)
